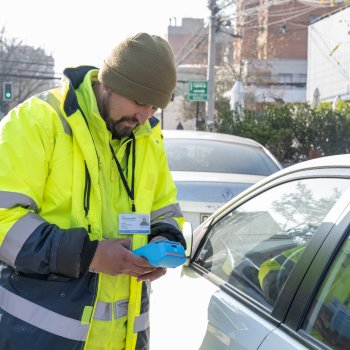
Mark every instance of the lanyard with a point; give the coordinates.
(129, 190)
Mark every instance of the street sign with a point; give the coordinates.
(197, 90)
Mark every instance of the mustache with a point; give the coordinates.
(126, 119)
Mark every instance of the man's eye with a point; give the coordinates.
(141, 104)
(145, 105)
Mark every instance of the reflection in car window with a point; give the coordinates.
(255, 247)
(329, 318)
(217, 157)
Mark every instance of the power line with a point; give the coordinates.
(26, 76)
(28, 62)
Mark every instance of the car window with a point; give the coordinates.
(215, 156)
(255, 247)
(329, 316)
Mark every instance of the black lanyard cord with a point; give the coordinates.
(129, 190)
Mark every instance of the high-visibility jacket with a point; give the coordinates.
(274, 272)
(60, 191)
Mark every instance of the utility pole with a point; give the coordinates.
(211, 64)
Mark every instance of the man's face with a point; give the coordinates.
(121, 114)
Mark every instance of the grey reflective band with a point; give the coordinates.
(121, 308)
(55, 104)
(172, 210)
(103, 311)
(141, 322)
(16, 237)
(169, 221)
(42, 318)
(10, 200)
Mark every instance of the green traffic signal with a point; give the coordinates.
(7, 91)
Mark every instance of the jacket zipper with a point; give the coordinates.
(87, 191)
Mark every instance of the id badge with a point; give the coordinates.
(134, 223)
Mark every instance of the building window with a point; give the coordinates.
(302, 78)
(283, 28)
(285, 79)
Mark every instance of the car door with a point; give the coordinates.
(320, 313)
(258, 254)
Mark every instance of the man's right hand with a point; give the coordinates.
(114, 257)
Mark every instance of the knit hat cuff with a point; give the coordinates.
(131, 89)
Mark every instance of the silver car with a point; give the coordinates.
(209, 169)
(270, 270)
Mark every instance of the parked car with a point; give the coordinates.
(210, 168)
(270, 270)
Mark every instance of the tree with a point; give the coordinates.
(294, 132)
(30, 69)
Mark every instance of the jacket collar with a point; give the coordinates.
(74, 77)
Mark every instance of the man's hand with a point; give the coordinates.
(158, 271)
(153, 275)
(114, 257)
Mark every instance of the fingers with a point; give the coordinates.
(140, 266)
(125, 242)
(153, 275)
(114, 257)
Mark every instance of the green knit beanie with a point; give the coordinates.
(141, 68)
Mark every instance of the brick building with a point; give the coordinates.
(272, 54)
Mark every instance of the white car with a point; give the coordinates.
(270, 270)
(211, 168)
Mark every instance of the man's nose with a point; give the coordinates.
(144, 113)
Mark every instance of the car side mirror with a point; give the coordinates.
(188, 235)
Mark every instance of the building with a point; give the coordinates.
(328, 73)
(271, 56)
(189, 41)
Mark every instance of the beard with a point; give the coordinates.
(122, 127)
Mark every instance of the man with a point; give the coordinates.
(179, 126)
(79, 165)
(144, 222)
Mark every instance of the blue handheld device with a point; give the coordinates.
(163, 253)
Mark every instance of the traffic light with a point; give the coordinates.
(7, 91)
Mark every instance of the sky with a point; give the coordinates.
(77, 32)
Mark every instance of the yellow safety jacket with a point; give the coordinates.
(274, 272)
(60, 192)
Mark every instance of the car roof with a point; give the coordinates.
(327, 162)
(336, 161)
(206, 135)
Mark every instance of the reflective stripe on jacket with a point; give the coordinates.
(58, 180)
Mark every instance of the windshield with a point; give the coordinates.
(216, 156)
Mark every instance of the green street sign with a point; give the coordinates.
(197, 90)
